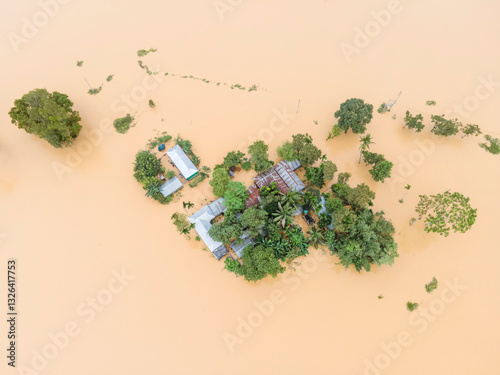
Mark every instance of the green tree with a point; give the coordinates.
(445, 127)
(226, 230)
(50, 116)
(414, 122)
(259, 156)
(315, 176)
(471, 129)
(220, 180)
(432, 285)
(259, 262)
(335, 132)
(287, 151)
(364, 144)
(309, 154)
(493, 147)
(445, 211)
(360, 197)
(235, 196)
(315, 238)
(181, 223)
(330, 240)
(354, 114)
(253, 219)
(292, 198)
(381, 167)
(283, 215)
(343, 178)
(329, 170)
(369, 240)
(146, 165)
(233, 159)
(123, 124)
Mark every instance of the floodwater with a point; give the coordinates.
(178, 311)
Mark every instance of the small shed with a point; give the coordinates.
(171, 186)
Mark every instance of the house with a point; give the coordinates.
(171, 186)
(202, 220)
(283, 174)
(182, 162)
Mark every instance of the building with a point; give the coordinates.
(202, 220)
(283, 174)
(182, 162)
(239, 247)
(171, 186)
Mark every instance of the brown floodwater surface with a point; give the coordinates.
(74, 230)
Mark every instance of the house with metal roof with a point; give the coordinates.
(171, 186)
(202, 220)
(182, 162)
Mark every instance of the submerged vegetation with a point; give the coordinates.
(147, 169)
(79, 63)
(494, 145)
(123, 124)
(143, 52)
(412, 306)
(432, 285)
(109, 78)
(95, 91)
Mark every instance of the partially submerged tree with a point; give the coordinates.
(233, 159)
(381, 167)
(146, 166)
(309, 154)
(259, 156)
(253, 219)
(471, 129)
(226, 230)
(446, 211)
(335, 132)
(364, 145)
(259, 262)
(287, 151)
(445, 127)
(181, 223)
(220, 180)
(50, 116)
(318, 175)
(414, 122)
(493, 147)
(235, 196)
(123, 124)
(354, 114)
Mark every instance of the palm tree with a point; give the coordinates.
(366, 141)
(283, 215)
(187, 204)
(315, 237)
(152, 189)
(293, 198)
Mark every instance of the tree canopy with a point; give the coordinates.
(235, 196)
(471, 129)
(226, 230)
(220, 180)
(414, 122)
(259, 156)
(354, 114)
(253, 219)
(287, 151)
(445, 127)
(318, 175)
(381, 167)
(123, 124)
(258, 262)
(446, 211)
(47, 115)
(494, 145)
(146, 166)
(233, 159)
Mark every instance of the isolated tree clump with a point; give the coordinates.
(445, 212)
(493, 147)
(445, 127)
(414, 122)
(146, 166)
(471, 129)
(123, 124)
(354, 114)
(50, 116)
(381, 167)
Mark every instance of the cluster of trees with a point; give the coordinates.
(381, 168)
(147, 168)
(317, 176)
(50, 116)
(301, 147)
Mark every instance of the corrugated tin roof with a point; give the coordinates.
(182, 161)
(171, 186)
(217, 206)
(238, 248)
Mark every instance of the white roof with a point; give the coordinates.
(182, 161)
(171, 186)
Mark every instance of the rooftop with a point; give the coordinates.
(171, 186)
(182, 162)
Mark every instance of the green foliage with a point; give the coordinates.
(235, 196)
(259, 156)
(368, 240)
(170, 174)
(315, 238)
(146, 166)
(259, 262)
(360, 197)
(380, 296)
(493, 147)
(253, 219)
(232, 265)
(315, 176)
(343, 178)
(233, 159)
(381, 167)
(364, 144)
(333, 205)
(220, 180)
(414, 122)
(95, 91)
(246, 165)
(446, 211)
(381, 108)
(159, 139)
(50, 116)
(430, 102)
(432, 285)
(197, 238)
(203, 173)
(181, 223)
(226, 230)
(335, 132)
(123, 124)
(143, 52)
(471, 129)
(283, 215)
(411, 306)
(329, 170)
(287, 151)
(354, 114)
(187, 146)
(445, 127)
(309, 154)
(79, 63)
(151, 103)
(109, 78)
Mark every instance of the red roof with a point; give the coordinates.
(253, 196)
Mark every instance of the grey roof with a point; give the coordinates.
(293, 164)
(171, 186)
(202, 224)
(182, 161)
(238, 248)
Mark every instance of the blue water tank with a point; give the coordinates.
(161, 147)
